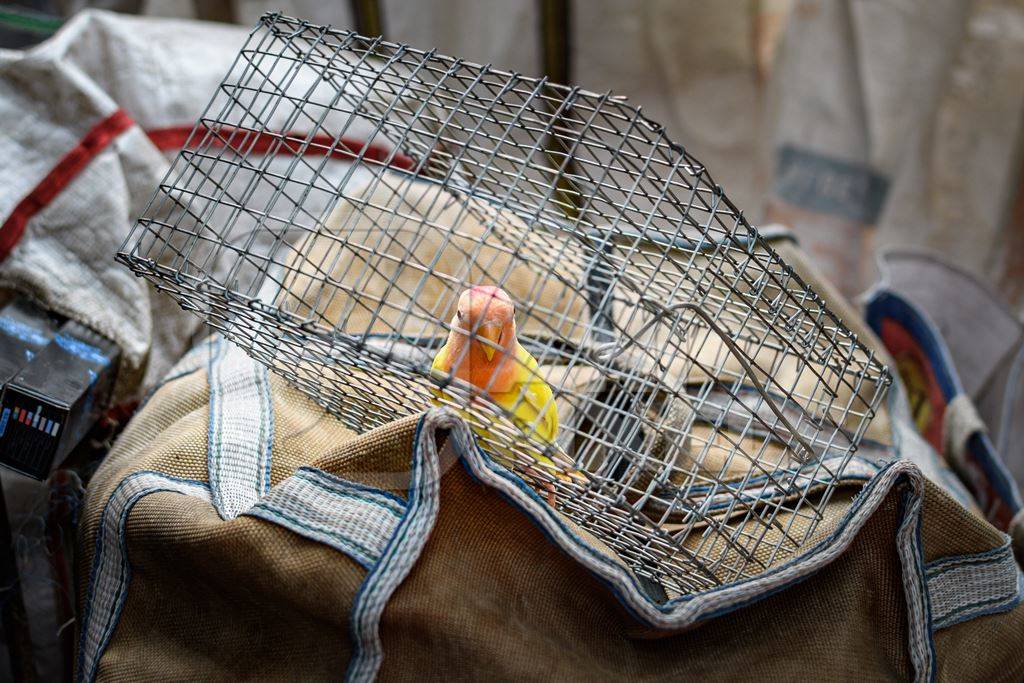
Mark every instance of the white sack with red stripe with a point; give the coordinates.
(90, 119)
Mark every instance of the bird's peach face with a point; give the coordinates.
(488, 313)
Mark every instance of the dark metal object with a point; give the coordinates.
(25, 329)
(65, 492)
(367, 17)
(12, 604)
(54, 399)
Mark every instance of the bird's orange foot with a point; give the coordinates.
(548, 487)
(551, 493)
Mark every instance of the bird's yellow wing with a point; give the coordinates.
(533, 408)
(530, 401)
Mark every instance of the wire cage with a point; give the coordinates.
(346, 210)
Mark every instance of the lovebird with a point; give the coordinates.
(494, 362)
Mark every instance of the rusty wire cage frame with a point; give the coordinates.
(709, 401)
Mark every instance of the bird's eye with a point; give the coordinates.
(459, 315)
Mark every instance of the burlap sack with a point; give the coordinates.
(238, 531)
(382, 550)
(390, 262)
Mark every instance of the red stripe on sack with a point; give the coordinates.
(104, 132)
(928, 405)
(246, 141)
(70, 165)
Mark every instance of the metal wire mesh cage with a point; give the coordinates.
(390, 228)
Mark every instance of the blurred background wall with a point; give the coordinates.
(862, 124)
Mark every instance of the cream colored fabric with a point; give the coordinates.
(356, 274)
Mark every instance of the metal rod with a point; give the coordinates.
(12, 603)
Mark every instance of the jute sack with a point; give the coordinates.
(389, 550)
(237, 531)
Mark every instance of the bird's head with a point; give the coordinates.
(486, 312)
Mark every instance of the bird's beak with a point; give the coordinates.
(492, 333)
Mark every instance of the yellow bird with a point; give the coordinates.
(483, 351)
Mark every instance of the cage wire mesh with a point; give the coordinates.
(341, 195)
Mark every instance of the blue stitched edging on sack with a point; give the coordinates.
(86, 670)
(239, 447)
(668, 607)
(910, 555)
(409, 538)
(937, 567)
(915, 586)
(887, 304)
(350, 523)
(988, 572)
(389, 499)
(360, 553)
(217, 352)
(95, 636)
(399, 555)
(266, 423)
(984, 608)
